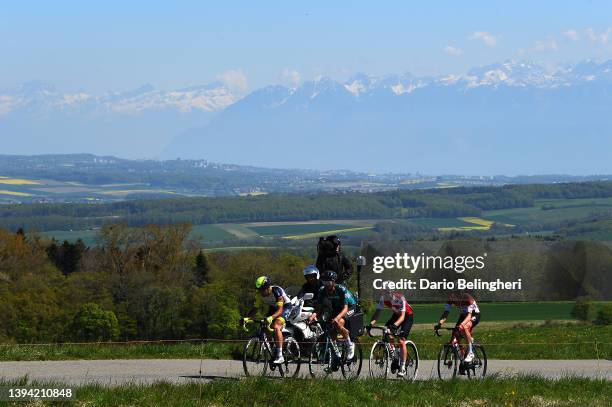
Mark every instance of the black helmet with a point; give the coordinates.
(329, 276)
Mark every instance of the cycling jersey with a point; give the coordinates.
(278, 297)
(337, 299)
(397, 304)
(466, 304)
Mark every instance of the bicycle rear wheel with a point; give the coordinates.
(379, 360)
(351, 368)
(448, 362)
(255, 358)
(477, 369)
(412, 361)
(292, 355)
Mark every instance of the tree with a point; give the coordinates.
(92, 323)
(201, 269)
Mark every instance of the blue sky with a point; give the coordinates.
(117, 46)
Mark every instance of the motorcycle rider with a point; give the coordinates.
(312, 285)
(340, 302)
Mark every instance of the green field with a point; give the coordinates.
(519, 391)
(502, 311)
(210, 233)
(297, 229)
(563, 209)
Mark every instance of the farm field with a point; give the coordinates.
(555, 210)
(560, 209)
(216, 233)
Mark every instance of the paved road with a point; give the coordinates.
(114, 372)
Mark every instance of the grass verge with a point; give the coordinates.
(520, 391)
(519, 341)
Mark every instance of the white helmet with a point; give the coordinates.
(312, 269)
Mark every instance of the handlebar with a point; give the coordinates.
(384, 329)
(436, 329)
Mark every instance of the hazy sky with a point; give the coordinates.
(122, 45)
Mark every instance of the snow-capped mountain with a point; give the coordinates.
(42, 98)
(512, 117)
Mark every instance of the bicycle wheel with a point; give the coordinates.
(255, 358)
(292, 355)
(379, 360)
(412, 361)
(477, 369)
(320, 361)
(448, 362)
(351, 368)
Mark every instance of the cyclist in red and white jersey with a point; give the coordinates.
(469, 317)
(400, 322)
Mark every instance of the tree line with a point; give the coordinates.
(398, 204)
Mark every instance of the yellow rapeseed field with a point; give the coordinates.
(17, 181)
(14, 193)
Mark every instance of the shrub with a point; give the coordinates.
(583, 310)
(604, 315)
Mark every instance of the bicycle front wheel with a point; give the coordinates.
(255, 358)
(379, 360)
(412, 361)
(477, 369)
(448, 362)
(292, 355)
(351, 368)
(321, 359)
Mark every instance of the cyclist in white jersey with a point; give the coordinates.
(469, 317)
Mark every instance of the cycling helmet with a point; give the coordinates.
(312, 269)
(329, 276)
(262, 282)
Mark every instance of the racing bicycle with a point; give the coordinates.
(328, 357)
(385, 356)
(452, 354)
(258, 354)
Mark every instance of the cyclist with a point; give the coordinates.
(469, 317)
(312, 285)
(280, 308)
(400, 322)
(340, 302)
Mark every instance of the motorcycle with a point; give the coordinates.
(297, 322)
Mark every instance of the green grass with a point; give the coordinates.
(519, 391)
(502, 341)
(299, 229)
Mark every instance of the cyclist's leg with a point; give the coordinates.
(405, 328)
(277, 325)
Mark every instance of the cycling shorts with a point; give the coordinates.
(404, 328)
(285, 314)
(470, 324)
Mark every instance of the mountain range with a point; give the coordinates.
(509, 118)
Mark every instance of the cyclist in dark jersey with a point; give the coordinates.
(469, 317)
(340, 302)
(400, 322)
(280, 308)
